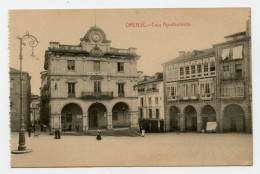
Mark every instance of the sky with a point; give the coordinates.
(155, 44)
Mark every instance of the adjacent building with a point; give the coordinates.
(234, 83)
(15, 114)
(210, 85)
(151, 102)
(35, 109)
(90, 84)
(190, 91)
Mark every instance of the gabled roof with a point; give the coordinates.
(196, 54)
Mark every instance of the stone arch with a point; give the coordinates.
(121, 115)
(190, 114)
(77, 103)
(208, 114)
(71, 117)
(233, 118)
(174, 114)
(97, 116)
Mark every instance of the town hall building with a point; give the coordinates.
(90, 85)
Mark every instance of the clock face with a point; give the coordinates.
(96, 36)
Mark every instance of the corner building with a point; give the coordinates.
(91, 84)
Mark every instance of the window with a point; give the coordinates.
(97, 86)
(181, 71)
(185, 90)
(157, 113)
(71, 65)
(206, 68)
(154, 86)
(96, 66)
(238, 72)
(121, 89)
(114, 116)
(212, 66)
(150, 113)
(142, 101)
(193, 69)
(149, 100)
(173, 91)
(68, 117)
(225, 68)
(71, 88)
(141, 113)
(193, 86)
(120, 67)
(156, 100)
(187, 70)
(207, 89)
(199, 68)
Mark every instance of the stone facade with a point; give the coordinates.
(35, 108)
(151, 103)
(210, 85)
(15, 115)
(93, 80)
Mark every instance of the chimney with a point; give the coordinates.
(140, 75)
(182, 53)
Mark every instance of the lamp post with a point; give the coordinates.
(33, 42)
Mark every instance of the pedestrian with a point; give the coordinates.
(98, 135)
(77, 127)
(41, 127)
(143, 133)
(45, 128)
(29, 131)
(70, 127)
(57, 134)
(33, 127)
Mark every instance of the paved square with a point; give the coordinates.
(167, 149)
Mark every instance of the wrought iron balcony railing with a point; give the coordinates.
(97, 95)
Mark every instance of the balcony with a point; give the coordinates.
(71, 95)
(97, 95)
(121, 94)
(171, 98)
(193, 97)
(152, 90)
(232, 76)
(185, 98)
(207, 96)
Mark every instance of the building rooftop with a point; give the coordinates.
(196, 54)
(236, 34)
(157, 77)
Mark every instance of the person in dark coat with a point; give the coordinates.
(57, 134)
(29, 131)
(98, 135)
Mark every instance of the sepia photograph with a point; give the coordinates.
(158, 87)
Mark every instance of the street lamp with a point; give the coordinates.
(32, 43)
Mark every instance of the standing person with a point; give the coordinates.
(98, 135)
(29, 131)
(77, 127)
(45, 129)
(41, 127)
